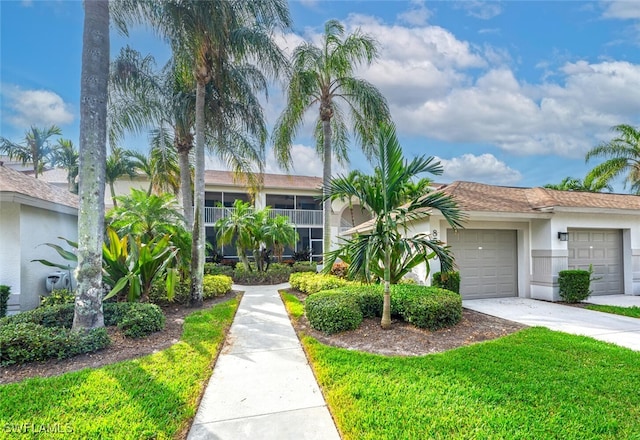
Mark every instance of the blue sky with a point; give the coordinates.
(509, 93)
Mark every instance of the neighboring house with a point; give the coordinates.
(32, 212)
(516, 240)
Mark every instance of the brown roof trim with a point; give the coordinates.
(283, 181)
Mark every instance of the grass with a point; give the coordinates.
(633, 311)
(154, 396)
(294, 307)
(535, 383)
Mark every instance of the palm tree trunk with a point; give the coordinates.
(185, 187)
(198, 235)
(93, 152)
(385, 322)
(326, 180)
(112, 190)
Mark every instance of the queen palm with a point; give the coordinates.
(35, 148)
(386, 251)
(323, 77)
(237, 226)
(118, 164)
(211, 37)
(66, 156)
(623, 157)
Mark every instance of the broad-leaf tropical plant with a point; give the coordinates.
(623, 157)
(323, 78)
(387, 251)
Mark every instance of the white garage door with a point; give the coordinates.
(487, 261)
(601, 248)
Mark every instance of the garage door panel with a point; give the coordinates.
(602, 249)
(487, 261)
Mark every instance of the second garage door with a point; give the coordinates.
(487, 261)
(601, 248)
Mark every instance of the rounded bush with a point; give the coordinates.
(309, 283)
(27, 341)
(215, 285)
(369, 298)
(432, 308)
(140, 320)
(59, 315)
(574, 285)
(333, 312)
(447, 280)
(217, 269)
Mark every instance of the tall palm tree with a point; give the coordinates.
(589, 184)
(66, 156)
(386, 251)
(118, 164)
(279, 232)
(93, 138)
(211, 37)
(238, 226)
(161, 165)
(623, 156)
(35, 148)
(324, 77)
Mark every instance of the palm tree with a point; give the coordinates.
(623, 153)
(212, 37)
(93, 138)
(118, 164)
(35, 149)
(66, 156)
(323, 76)
(279, 232)
(238, 225)
(161, 165)
(589, 184)
(386, 252)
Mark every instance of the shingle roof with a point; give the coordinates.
(481, 197)
(283, 181)
(12, 181)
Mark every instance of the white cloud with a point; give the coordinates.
(24, 108)
(417, 15)
(484, 10)
(485, 168)
(624, 10)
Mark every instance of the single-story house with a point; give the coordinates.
(32, 212)
(516, 240)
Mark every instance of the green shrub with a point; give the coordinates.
(158, 292)
(58, 296)
(314, 282)
(574, 285)
(215, 285)
(333, 312)
(59, 315)
(368, 296)
(277, 274)
(140, 320)
(27, 342)
(433, 308)
(5, 292)
(447, 280)
(218, 269)
(304, 266)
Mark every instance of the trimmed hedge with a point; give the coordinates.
(5, 293)
(277, 274)
(447, 280)
(333, 311)
(28, 341)
(423, 306)
(140, 320)
(574, 285)
(215, 285)
(314, 282)
(218, 269)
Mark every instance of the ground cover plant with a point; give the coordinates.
(532, 384)
(151, 397)
(633, 312)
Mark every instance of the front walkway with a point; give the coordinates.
(620, 330)
(262, 386)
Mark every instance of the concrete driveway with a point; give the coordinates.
(620, 330)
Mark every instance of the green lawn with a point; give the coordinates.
(534, 384)
(152, 397)
(633, 311)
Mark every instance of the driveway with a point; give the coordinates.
(620, 330)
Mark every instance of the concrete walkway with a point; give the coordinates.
(620, 330)
(615, 300)
(262, 386)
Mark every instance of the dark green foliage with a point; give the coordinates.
(369, 297)
(5, 292)
(27, 342)
(215, 285)
(574, 285)
(59, 296)
(447, 280)
(303, 255)
(303, 266)
(218, 269)
(434, 309)
(140, 320)
(59, 315)
(276, 274)
(158, 292)
(333, 311)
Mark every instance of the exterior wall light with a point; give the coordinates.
(563, 236)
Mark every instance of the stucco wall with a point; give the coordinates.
(38, 226)
(10, 252)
